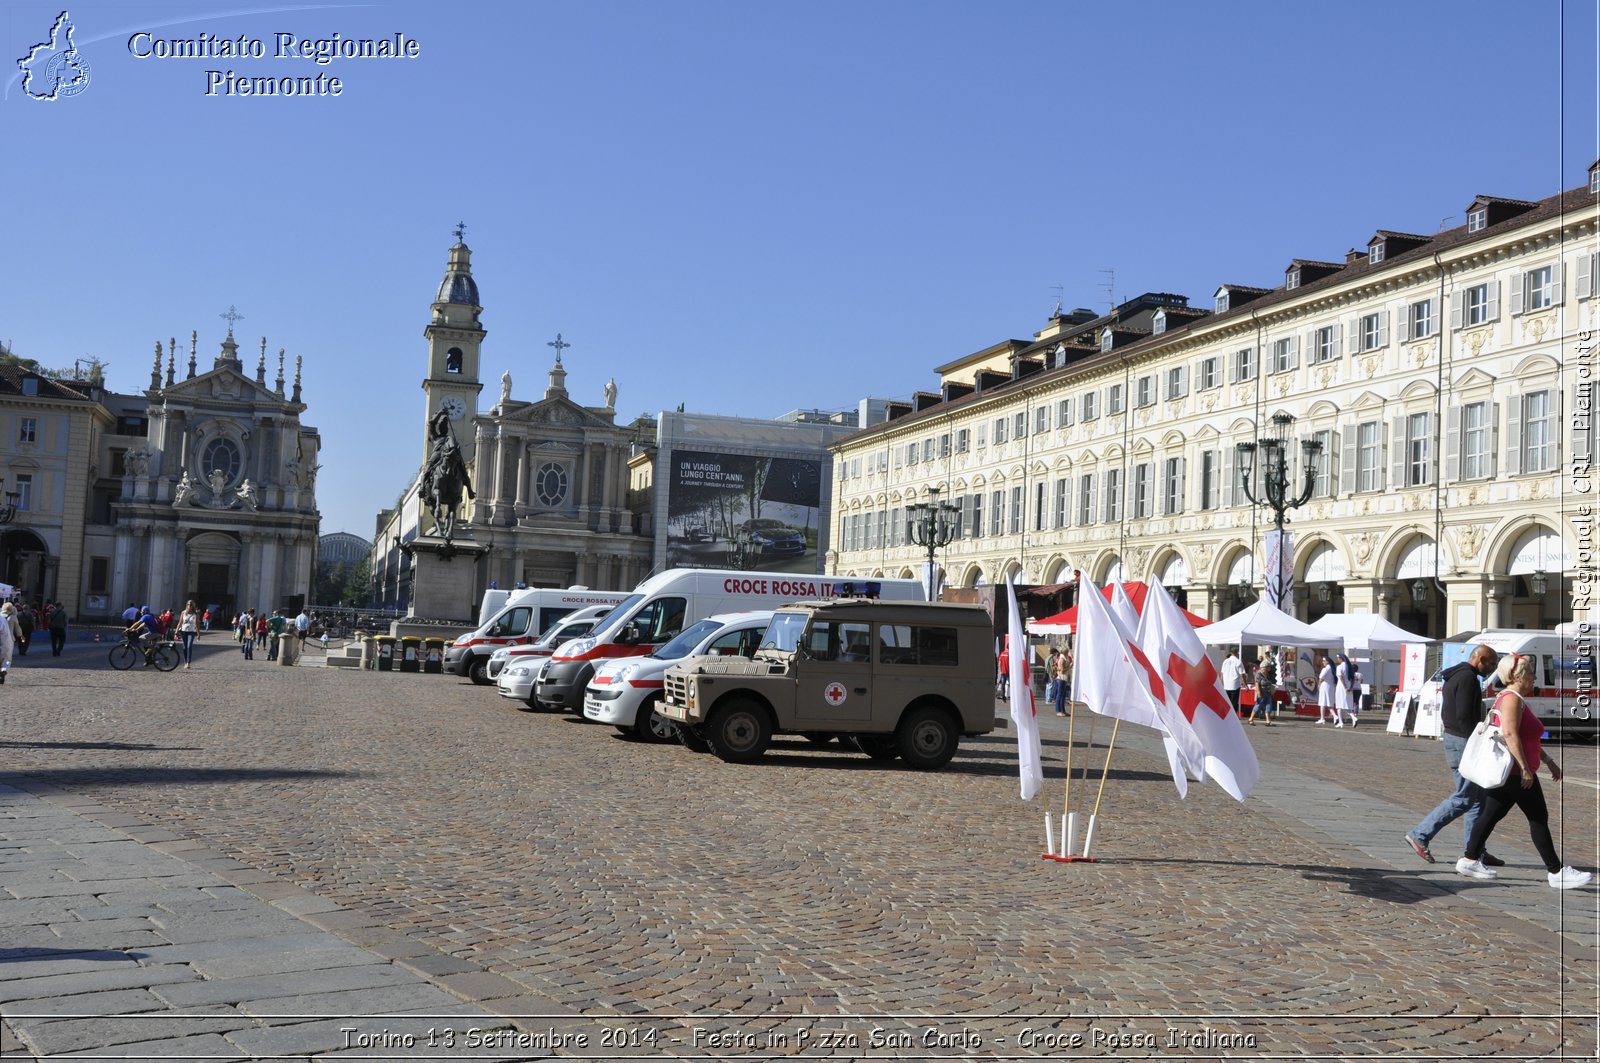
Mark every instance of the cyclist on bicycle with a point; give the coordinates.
(146, 630)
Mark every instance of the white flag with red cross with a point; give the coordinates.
(1195, 702)
(1114, 677)
(1023, 714)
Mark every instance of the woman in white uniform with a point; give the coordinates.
(1327, 686)
(1346, 673)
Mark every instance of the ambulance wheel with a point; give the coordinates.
(927, 738)
(692, 739)
(649, 726)
(739, 731)
(478, 671)
(878, 747)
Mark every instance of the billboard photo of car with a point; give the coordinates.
(740, 511)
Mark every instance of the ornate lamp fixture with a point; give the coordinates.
(1538, 583)
(1276, 482)
(8, 511)
(933, 524)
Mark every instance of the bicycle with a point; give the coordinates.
(163, 655)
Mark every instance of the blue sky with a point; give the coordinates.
(746, 208)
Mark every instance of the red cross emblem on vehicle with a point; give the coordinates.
(835, 694)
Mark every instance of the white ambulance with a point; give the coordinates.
(524, 617)
(1563, 669)
(663, 605)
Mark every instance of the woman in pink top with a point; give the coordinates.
(1522, 729)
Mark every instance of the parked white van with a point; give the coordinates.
(665, 604)
(1564, 674)
(575, 624)
(625, 691)
(521, 620)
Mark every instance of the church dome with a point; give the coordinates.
(458, 287)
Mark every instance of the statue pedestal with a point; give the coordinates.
(442, 577)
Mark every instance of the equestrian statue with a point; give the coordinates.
(444, 477)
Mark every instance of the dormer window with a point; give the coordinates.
(1222, 300)
(1158, 324)
(1060, 355)
(1375, 254)
(1477, 220)
(1291, 280)
(1105, 338)
(30, 385)
(1594, 181)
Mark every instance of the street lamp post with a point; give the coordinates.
(933, 525)
(1276, 483)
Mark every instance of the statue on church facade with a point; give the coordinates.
(218, 480)
(247, 494)
(137, 462)
(185, 488)
(444, 477)
(505, 388)
(611, 393)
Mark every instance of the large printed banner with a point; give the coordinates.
(737, 511)
(1280, 570)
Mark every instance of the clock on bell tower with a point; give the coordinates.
(454, 336)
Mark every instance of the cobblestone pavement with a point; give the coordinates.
(446, 854)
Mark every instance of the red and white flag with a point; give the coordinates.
(1114, 677)
(1196, 708)
(1023, 716)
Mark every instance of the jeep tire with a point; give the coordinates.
(927, 738)
(738, 731)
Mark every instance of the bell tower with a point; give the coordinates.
(454, 337)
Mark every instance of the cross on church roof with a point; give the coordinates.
(231, 316)
(560, 345)
(461, 232)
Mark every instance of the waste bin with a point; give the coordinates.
(433, 656)
(386, 649)
(288, 648)
(369, 651)
(410, 653)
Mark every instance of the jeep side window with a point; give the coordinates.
(820, 643)
(918, 645)
(936, 646)
(855, 642)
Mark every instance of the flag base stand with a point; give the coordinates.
(1069, 859)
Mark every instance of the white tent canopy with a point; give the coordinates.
(1363, 632)
(1262, 624)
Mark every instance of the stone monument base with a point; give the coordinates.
(442, 577)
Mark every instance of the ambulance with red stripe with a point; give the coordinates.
(525, 616)
(665, 604)
(625, 691)
(1563, 671)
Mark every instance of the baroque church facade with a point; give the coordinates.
(549, 475)
(202, 488)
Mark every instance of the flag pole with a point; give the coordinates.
(1088, 838)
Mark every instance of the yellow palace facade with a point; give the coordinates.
(1446, 379)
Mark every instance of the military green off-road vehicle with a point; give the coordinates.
(904, 679)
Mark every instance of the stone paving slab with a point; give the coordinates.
(571, 872)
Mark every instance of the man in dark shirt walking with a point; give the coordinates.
(1462, 710)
